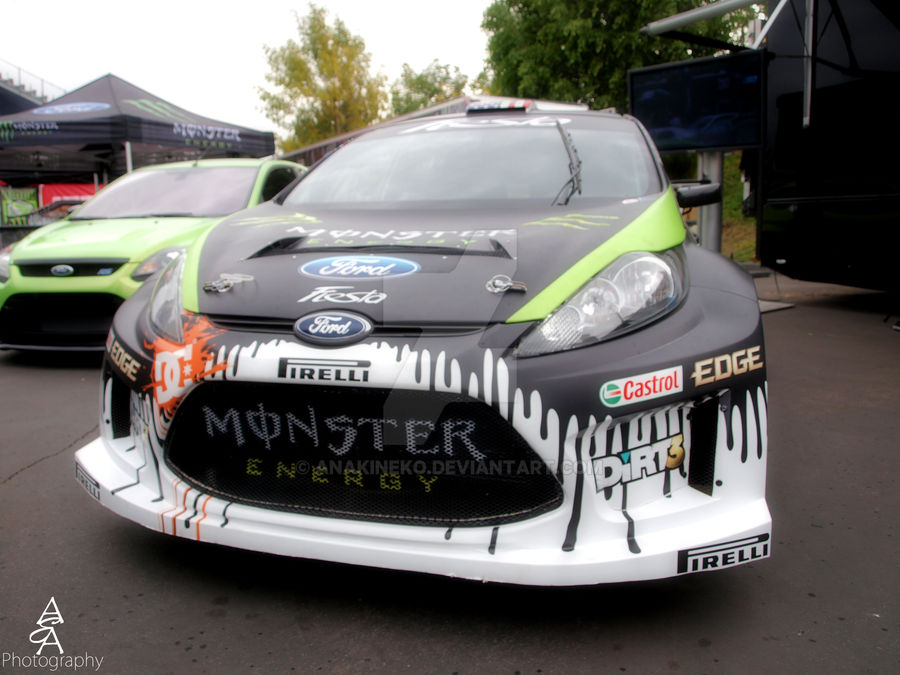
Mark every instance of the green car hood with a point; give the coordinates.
(131, 238)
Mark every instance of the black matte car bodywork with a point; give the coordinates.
(478, 345)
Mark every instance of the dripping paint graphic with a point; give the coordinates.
(576, 443)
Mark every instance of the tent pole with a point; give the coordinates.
(129, 165)
(96, 182)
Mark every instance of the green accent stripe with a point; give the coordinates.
(190, 299)
(658, 228)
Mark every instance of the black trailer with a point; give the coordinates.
(824, 171)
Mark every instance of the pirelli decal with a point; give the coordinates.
(726, 554)
(87, 481)
(323, 370)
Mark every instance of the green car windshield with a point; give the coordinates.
(200, 192)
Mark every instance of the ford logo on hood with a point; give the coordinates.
(359, 267)
(332, 328)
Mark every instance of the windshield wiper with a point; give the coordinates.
(572, 185)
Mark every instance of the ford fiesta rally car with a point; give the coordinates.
(477, 345)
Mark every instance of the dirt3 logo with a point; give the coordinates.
(46, 634)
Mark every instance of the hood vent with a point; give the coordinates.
(291, 245)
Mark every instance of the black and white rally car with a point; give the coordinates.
(479, 345)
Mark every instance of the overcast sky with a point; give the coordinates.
(207, 56)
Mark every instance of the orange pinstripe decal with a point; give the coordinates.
(184, 508)
(162, 514)
(203, 517)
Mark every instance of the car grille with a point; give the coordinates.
(57, 319)
(79, 268)
(420, 458)
(260, 325)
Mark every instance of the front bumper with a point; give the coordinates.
(529, 552)
(67, 313)
(625, 513)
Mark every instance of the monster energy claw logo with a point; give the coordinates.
(159, 109)
(8, 130)
(182, 123)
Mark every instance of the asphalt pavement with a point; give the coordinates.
(827, 600)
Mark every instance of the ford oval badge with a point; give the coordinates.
(332, 328)
(360, 267)
(62, 270)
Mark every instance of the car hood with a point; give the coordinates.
(132, 238)
(439, 267)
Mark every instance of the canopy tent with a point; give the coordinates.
(109, 126)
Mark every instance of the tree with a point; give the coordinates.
(322, 86)
(581, 50)
(433, 85)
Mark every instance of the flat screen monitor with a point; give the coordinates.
(702, 104)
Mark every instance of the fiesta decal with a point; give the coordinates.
(628, 390)
(724, 366)
(362, 267)
(332, 328)
(343, 295)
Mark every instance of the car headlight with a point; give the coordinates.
(635, 289)
(156, 262)
(5, 256)
(165, 303)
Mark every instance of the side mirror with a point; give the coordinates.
(698, 194)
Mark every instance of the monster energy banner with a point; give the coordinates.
(94, 122)
(16, 204)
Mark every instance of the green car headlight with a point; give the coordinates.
(156, 262)
(165, 304)
(634, 290)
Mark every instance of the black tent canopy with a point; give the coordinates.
(109, 126)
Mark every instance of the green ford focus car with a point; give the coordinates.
(61, 285)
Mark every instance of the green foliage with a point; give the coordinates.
(435, 84)
(322, 85)
(581, 50)
(738, 231)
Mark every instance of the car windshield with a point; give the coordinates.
(465, 159)
(199, 191)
